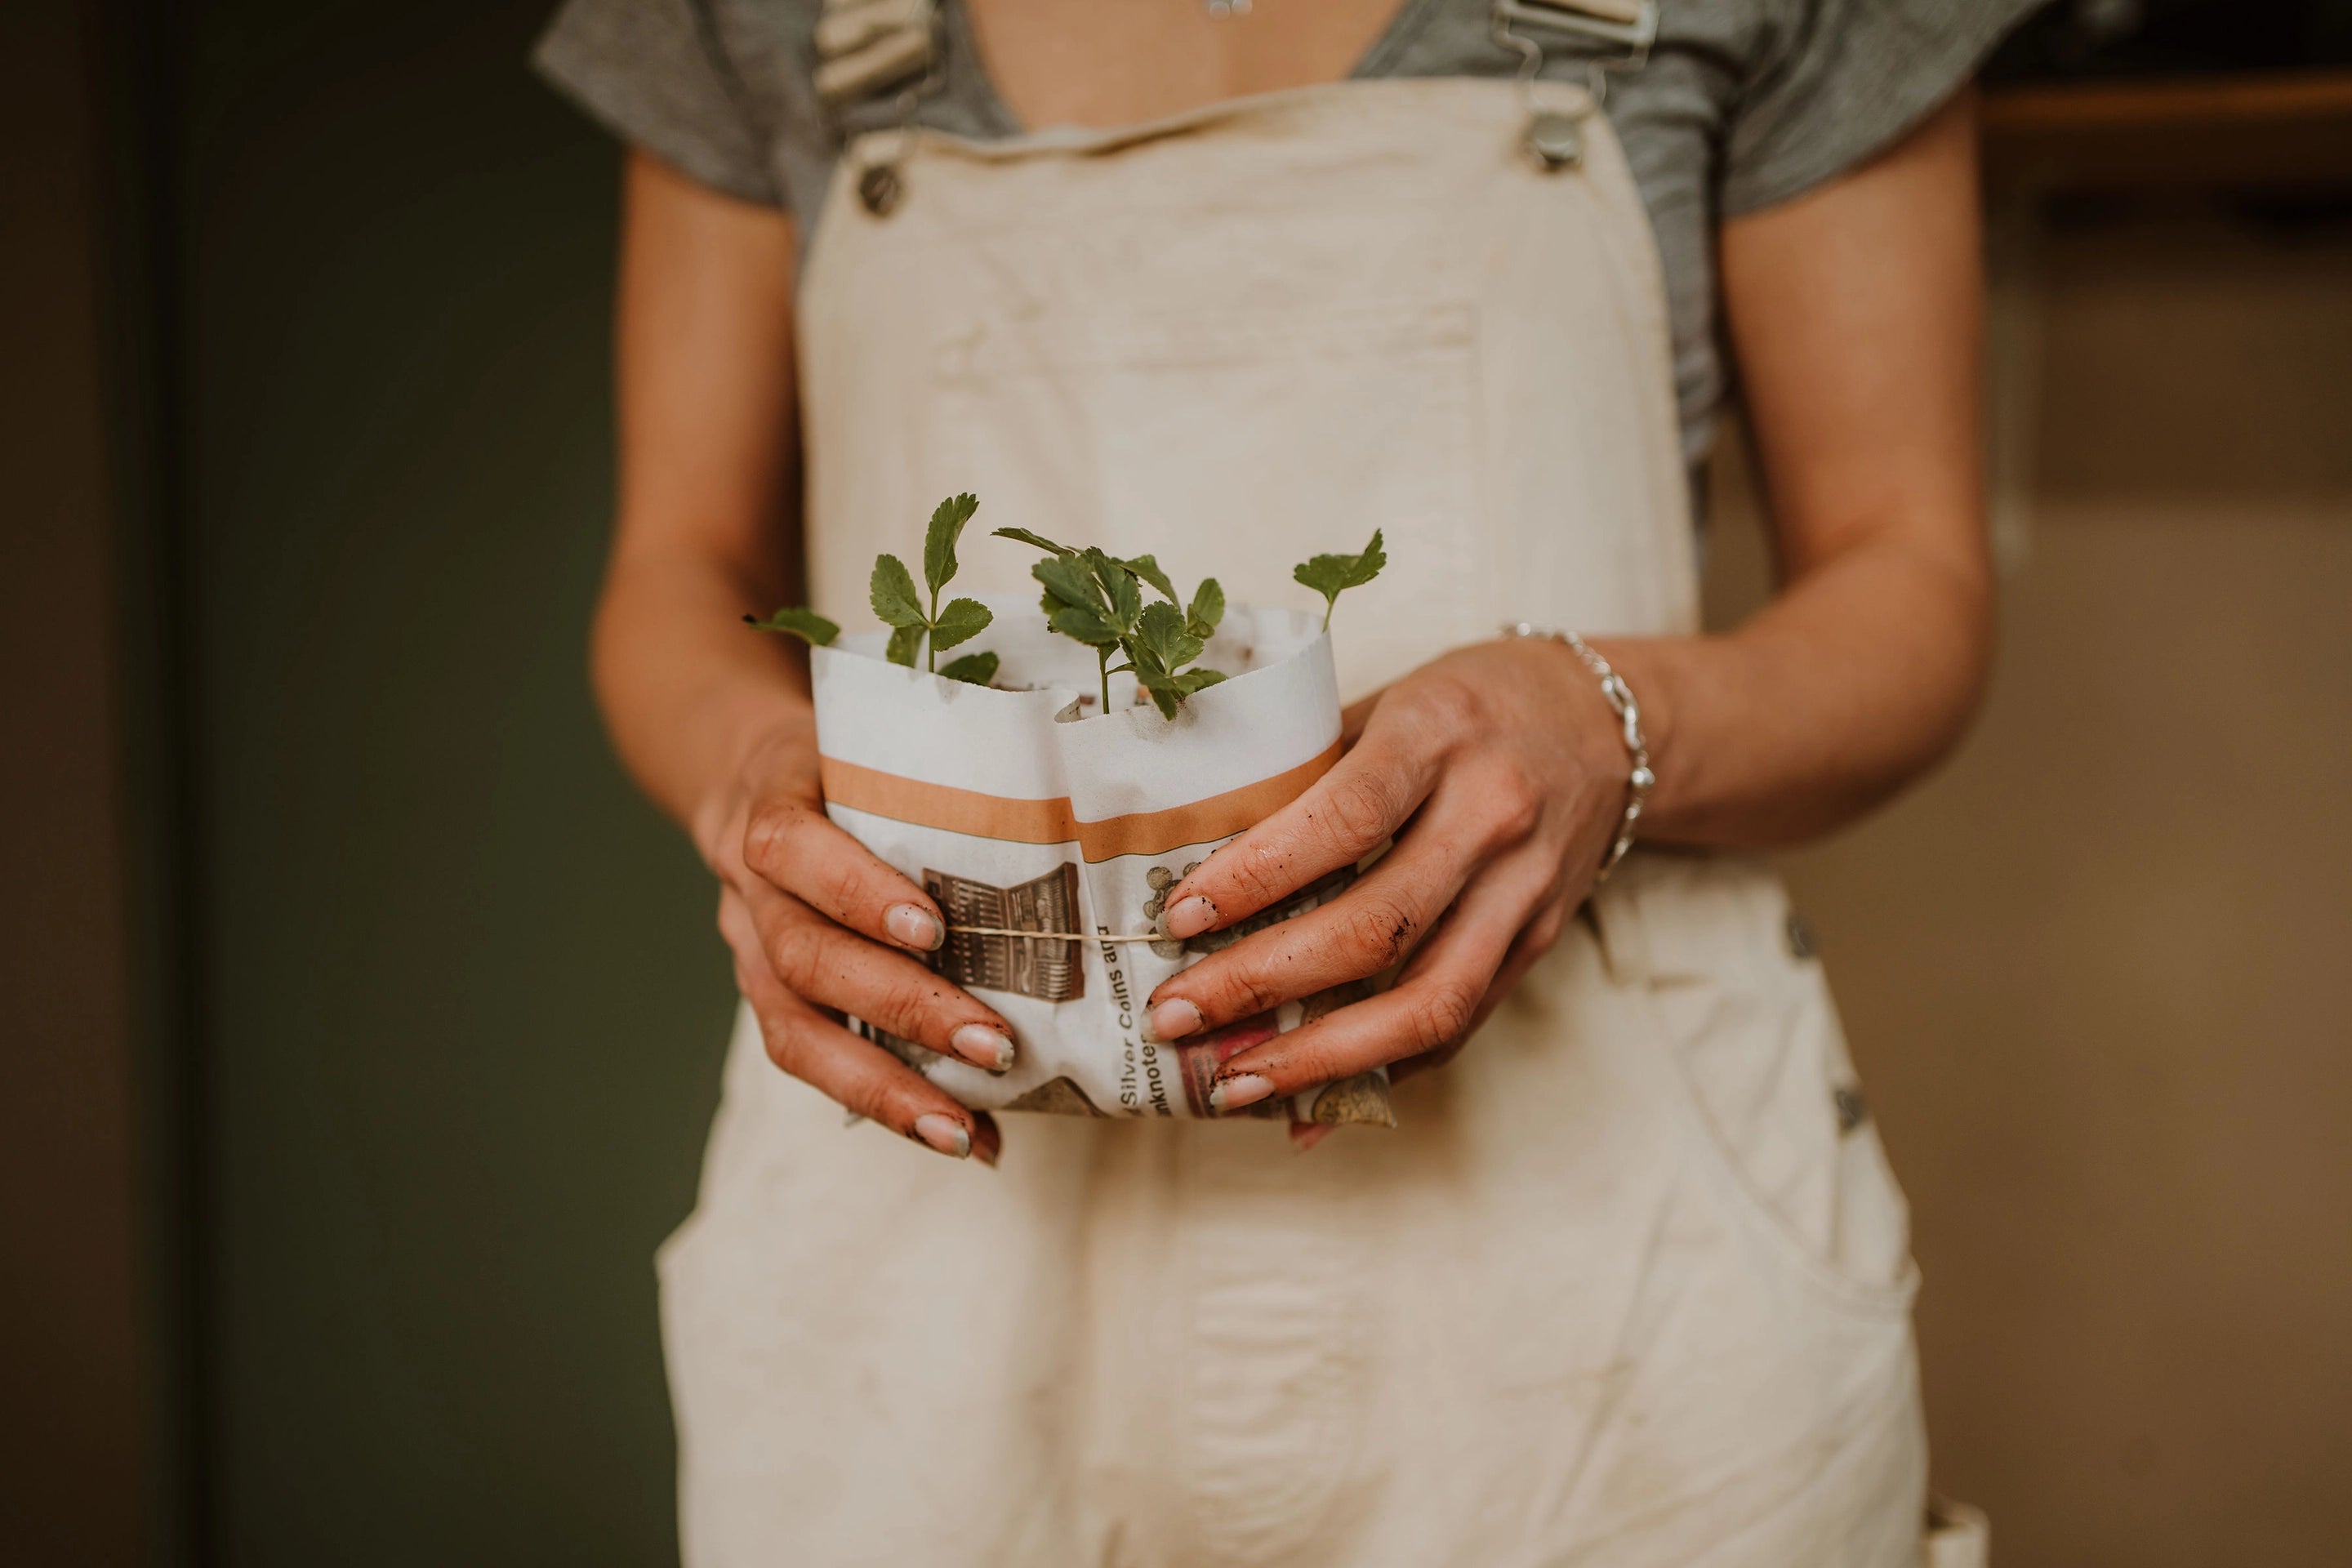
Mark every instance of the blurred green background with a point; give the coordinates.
(462, 1003)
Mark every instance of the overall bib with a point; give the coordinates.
(1628, 1283)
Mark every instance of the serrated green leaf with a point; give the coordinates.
(805, 624)
(960, 622)
(1168, 692)
(1119, 584)
(1162, 633)
(1084, 625)
(973, 669)
(1166, 701)
(1038, 540)
(1163, 693)
(939, 538)
(1145, 567)
(905, 642)
(1208, 608)
(1069, 582)
(891, 591)
(1329, 575)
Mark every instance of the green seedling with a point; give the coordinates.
(913, 627)
(1329, 575)
(1098, 599)
(1089, 597)
(891, 592)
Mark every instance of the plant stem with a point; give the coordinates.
(930, 644)
(1102, 658)
(1328, 605)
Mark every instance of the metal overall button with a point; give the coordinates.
(1801, 938)
(879, 187)
(1556, 140)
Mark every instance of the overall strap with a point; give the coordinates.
(867, 47)
(1629, 25)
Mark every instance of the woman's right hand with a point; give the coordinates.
(819, 926)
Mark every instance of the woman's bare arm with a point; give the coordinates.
(1498, 768)
(709, 510)
(713, 718)
(1855, 315)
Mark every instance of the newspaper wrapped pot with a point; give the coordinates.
(1023, 809)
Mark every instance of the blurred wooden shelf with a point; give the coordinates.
(2271, 132)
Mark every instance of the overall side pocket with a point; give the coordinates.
(1776, 1108)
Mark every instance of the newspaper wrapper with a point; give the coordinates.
(1024, 808)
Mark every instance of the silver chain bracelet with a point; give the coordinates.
(1640, 781)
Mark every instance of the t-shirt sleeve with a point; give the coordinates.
(1839, 80)
(656, 73)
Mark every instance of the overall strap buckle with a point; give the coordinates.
(1628, 27)
(866, 47)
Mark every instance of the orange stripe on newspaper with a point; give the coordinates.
(953, 810)
(946, 807)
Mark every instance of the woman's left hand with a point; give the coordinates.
(1501, 773)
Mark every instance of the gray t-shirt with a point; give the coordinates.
(1742, 104)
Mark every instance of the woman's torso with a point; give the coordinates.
(1620, 1285)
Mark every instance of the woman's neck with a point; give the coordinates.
(1115, 62)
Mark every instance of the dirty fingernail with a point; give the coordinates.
(915, 926)
(944, 1133)
(1174, 1018)
(982, 1047)
(1242, 1088)
(1191, 917)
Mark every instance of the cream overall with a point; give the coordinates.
(1628, 1283)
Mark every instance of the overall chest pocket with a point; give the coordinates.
(1235, 440)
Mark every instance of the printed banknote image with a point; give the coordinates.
(990, 959)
